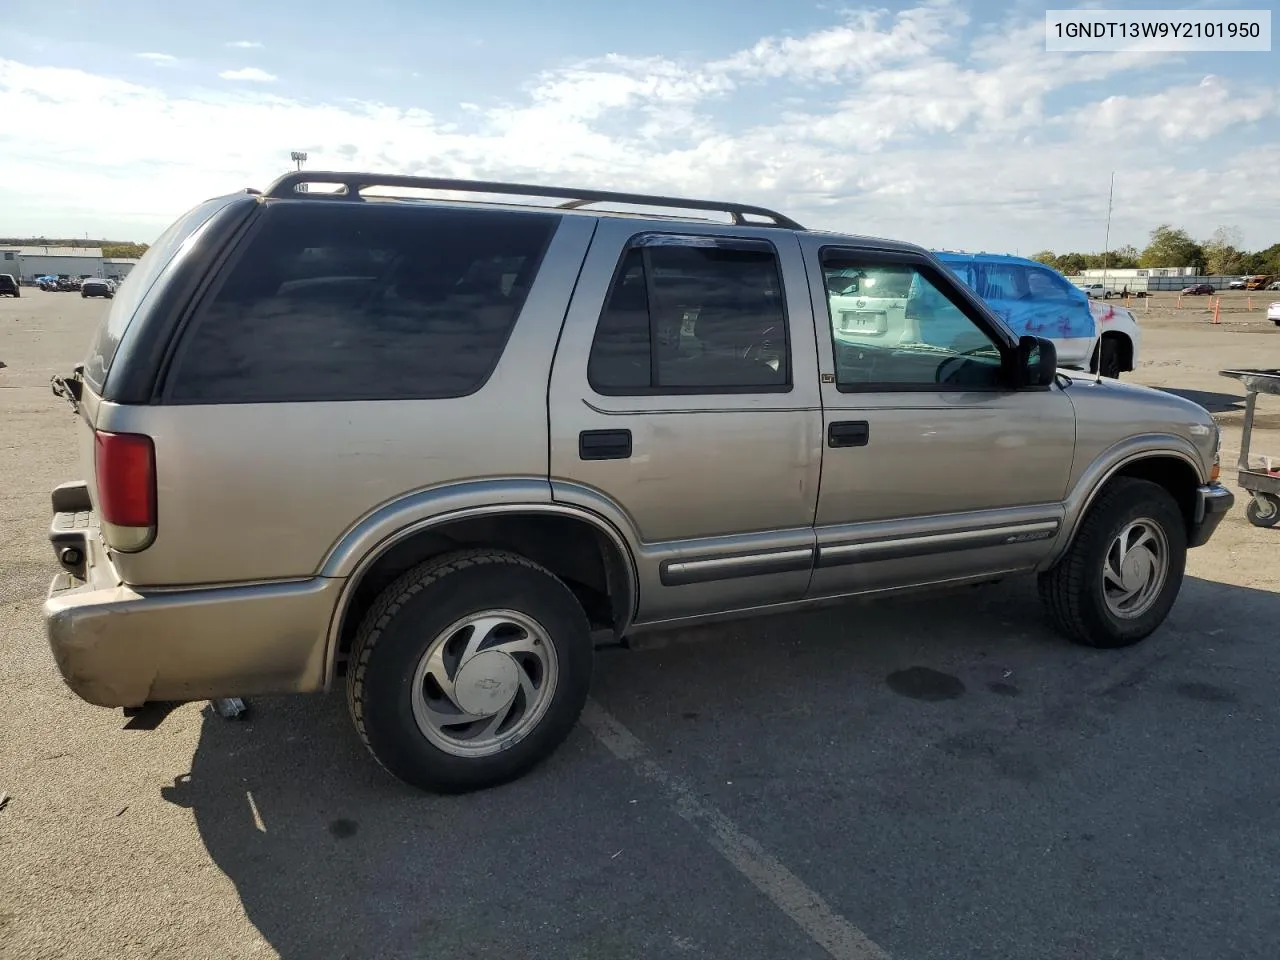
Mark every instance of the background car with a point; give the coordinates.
(97, 287)
(1036, 300)
(1236, 284)
(9, 286)
(1196, 289)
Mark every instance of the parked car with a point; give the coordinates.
(598, 424)
(1198, 289)
(1274, 285)
(1098, 291)
(1036, 300)
(1273, 312)
(1236, 284)
(97, 287)
(9, 286)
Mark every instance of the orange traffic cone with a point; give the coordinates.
(1217, 308)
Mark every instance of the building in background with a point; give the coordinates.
(117, 268)
(32, 262)
(1131, 273)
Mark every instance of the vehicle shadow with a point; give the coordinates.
(959, 735)
(1212, 401)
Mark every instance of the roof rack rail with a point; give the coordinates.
(286, 186)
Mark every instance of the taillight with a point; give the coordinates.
(125, 464)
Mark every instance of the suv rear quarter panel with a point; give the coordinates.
(262, 491)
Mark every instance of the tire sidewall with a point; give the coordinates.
(389, 725)
(1106, 629)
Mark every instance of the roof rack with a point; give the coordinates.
(286, 186)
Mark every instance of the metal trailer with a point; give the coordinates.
(1263, 510)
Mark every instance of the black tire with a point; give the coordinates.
(1256, 514)
(400, 626)
(1072, 590)
(1109, 357)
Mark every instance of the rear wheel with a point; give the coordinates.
(469, 670)
(1121, 575)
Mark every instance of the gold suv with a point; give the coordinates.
(435, 446)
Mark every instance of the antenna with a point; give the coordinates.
(1106, 251)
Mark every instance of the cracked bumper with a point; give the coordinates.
(120, 647)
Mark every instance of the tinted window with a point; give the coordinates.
(1002, 282)
(141, 279)
(682, 317)
(1049, 285)
(339, 301)
(899, 328)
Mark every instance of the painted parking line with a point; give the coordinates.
(804, 906)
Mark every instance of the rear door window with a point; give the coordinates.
(693, 315)
(374, 301)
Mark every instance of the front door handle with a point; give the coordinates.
(604, 445)
(848, 433)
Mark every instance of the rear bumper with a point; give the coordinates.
(1213, 502)
(117, 646)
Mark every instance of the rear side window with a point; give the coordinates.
(344, 301)
(134, 290)
(698, 317)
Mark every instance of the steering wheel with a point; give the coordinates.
(960, 360)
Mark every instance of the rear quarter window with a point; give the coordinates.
(133, 291)
(344, 301)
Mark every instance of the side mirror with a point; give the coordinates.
(1037, 362)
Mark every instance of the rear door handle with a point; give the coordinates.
(848, 433)
(604, 445)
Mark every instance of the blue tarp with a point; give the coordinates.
(1031, 298)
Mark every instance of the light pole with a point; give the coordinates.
(299, 157)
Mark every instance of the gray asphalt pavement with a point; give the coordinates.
(925, 778)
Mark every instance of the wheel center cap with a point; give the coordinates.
(1136, 569)
(486, 683)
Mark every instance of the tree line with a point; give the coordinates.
(121, 249)
(1170, 246)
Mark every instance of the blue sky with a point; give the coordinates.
(941, 122)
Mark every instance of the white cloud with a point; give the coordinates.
(157, 58)
(245, 44)
(1194, 112)
(253, 74)
(889, 124)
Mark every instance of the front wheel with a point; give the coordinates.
(1107, 360)
(469, 670)
(1265, 513)
(1121, 575)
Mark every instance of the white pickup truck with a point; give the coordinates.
(1098, 291)
(1037, 300)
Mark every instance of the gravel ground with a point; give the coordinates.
(915, 779)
